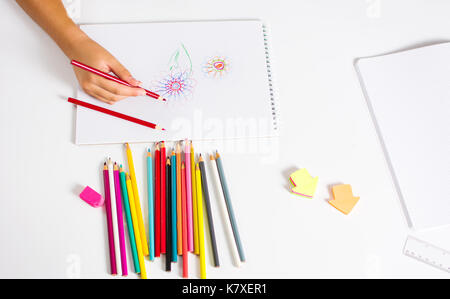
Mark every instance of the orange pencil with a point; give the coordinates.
(184, 219)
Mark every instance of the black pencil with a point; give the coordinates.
(212, 234)
(168, 216)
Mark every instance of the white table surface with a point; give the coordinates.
(47, 231)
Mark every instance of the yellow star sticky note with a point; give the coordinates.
(343, 200)
(303, 183)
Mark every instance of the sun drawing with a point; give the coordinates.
(216, 67)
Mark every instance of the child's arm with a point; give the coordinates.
(52, 17)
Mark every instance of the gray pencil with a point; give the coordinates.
(212, 234)
(227, 197)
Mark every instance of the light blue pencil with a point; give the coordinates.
(174, 208)
(226, 194)
(151, 213)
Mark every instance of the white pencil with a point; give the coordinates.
(215, 182)
(115, 222)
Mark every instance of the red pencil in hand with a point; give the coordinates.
(113, 78)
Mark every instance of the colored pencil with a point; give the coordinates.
(115, 223)
(157, 202)
(201, 231)
(168, 216)
(113, 78)
(137, 202)
(184, 219)
(112, 254)
(115, 114)
(137, 235)
(227, 197)
(163, 197)
(126, 206)
(194, 201)
(215, 182)
(151, 208)
(179, 218)
(187, 159)
(173, 206)
(123, 252)
(212, 234)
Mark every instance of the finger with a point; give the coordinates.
(119, 89)
(123, 73)
(104, 95)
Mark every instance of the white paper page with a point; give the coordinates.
(223, 104)
(409, 95)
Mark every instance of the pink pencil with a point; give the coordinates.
(112, 255)
(123, 253)
(187, 159)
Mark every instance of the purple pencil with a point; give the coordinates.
(123, 253)
(190, 232)
(112, 254)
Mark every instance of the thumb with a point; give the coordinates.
(120, 71)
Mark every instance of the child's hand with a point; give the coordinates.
(89, 52)
(52, 17)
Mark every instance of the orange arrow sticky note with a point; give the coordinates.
(343, 200)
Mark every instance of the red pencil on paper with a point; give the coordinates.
(114, 113)
(157, 202)
(113, 78)
(163, 197)
(184, 220)
(112, 254)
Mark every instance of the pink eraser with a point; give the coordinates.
(92, 197)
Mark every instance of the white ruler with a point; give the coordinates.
(427, 253)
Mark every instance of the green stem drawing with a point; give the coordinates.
(174, 59)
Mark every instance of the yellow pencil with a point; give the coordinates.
(194, 201)
(179, 226)
(141, 226)
(201, 232)
(135, 226)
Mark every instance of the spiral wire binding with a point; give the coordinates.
(273, 104)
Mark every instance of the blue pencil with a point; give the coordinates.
(151, 213)
(174, 207)
(226, 194)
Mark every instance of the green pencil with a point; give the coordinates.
(126, 206)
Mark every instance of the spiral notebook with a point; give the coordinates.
(215, 76)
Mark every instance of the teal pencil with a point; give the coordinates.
(174, 207)
(226, 194)
(126, 206)
(151, 212)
